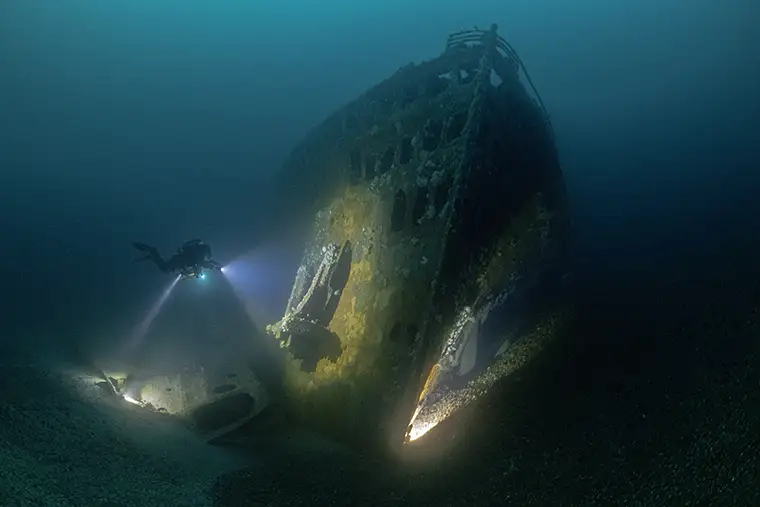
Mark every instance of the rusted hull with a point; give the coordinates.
(438, 203)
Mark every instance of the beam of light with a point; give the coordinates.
(261, 280)
(238, 276)
(142, 329)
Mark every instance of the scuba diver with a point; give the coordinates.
(191, 260)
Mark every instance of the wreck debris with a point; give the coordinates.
(213, 403)
(444, 187)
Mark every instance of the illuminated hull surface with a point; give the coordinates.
(439, 225)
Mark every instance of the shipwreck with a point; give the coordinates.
(434, 265)
(440, 225)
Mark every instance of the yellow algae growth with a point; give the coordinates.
(349, 219)
(349, 214)
(430, 382)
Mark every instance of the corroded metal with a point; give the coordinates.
(437, 202)
(213, 403)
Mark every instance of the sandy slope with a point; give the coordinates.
(64, 442)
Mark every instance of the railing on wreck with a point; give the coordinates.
(492, 41)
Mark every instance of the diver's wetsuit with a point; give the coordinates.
(192, 256)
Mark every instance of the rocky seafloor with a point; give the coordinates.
(655, 404)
